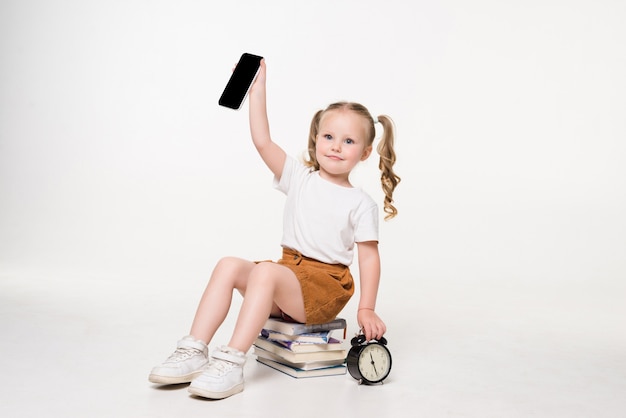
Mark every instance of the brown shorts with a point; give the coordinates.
(326, 288)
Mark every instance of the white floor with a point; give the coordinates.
(80, 346)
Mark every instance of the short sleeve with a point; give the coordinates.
(366, 228)
(282, 183)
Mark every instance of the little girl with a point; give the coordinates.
(324, 217)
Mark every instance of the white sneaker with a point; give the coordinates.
(184, 365)
(223, 377)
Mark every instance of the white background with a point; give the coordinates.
(122, 181)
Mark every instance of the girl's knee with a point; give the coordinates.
(272, 275)
(231, 263)
(233, 271)
(264, 272)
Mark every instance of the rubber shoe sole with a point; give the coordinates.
(173, 380)
(215, 395)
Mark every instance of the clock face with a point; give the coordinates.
(374, 362)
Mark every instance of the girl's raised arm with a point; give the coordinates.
(273, 155)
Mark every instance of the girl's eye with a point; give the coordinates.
(349, 141)
(328, 136)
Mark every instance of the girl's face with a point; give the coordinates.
(340, 144)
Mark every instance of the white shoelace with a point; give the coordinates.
(182, 354)
(221, 366)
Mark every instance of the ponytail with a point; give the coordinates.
(311, 161)
(388, 178)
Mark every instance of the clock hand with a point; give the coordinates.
(373, 364)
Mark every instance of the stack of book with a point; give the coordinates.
(301, 350)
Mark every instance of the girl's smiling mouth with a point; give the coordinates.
(334, 157)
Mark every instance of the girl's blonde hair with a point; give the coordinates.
(388, 177)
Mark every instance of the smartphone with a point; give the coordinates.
(240, 81)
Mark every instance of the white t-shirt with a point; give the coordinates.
(323, 220)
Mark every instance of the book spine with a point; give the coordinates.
(329, 326)
(315, 337)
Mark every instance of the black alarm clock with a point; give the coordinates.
(369, 362)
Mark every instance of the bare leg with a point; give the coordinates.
(265, 287)
(268, 287)
(230, 273)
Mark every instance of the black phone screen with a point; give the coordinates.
(240, 81)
